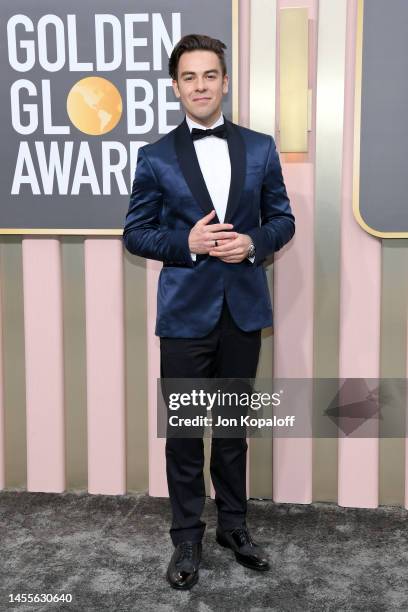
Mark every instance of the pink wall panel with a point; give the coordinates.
(105, 365)
(44, 364)
(293, 332)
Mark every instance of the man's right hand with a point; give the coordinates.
(203, 236)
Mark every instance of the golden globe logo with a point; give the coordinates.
(53, 158)
(94, 106)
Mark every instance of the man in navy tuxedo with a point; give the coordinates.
(209, 201)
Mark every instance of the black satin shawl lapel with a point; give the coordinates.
(190, 168)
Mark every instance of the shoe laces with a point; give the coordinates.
(244, 536)
(186, 551)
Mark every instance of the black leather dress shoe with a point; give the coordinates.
(182, 572)
(247, 552)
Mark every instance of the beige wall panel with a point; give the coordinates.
(136, 373)
(73, 292)
(14, 362)
(262, 66)
(394, 308)
(328, 185)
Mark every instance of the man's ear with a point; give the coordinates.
(175, 89)
(225, 83)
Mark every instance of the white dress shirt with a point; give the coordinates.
(214, 160)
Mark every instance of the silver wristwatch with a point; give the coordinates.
(251, 250)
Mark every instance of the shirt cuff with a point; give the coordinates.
(193, 256)
(251, 259)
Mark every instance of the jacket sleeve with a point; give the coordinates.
(277, 221)
(143, 234)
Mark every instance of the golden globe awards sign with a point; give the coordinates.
(381, 178)
(83, 87)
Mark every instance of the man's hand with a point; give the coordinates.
(202, 236)
(232, 251)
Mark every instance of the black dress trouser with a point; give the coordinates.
(226, 352)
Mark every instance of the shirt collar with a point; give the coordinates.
(192, 124)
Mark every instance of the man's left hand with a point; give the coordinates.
(232, 251)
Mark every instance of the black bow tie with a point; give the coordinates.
(219, 131)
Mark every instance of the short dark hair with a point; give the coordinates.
(196, 42)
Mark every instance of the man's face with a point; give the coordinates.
(200, 85)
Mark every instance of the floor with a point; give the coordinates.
(111, 553)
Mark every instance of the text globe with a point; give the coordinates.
(94, 106)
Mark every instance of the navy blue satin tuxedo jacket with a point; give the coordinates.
(169, 196)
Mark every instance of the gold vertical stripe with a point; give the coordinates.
(294, 74)
(73, 291)
(262, 79)
(329, 152)
(14, 362)
(137, 445)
